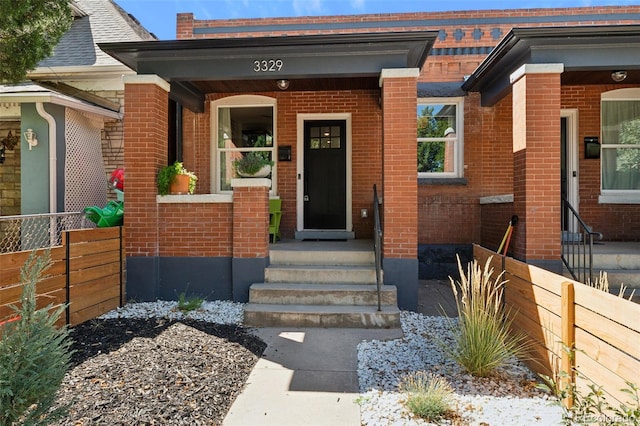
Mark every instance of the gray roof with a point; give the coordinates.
(105, 22)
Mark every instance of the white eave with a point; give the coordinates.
(80, 72)
(58, 99)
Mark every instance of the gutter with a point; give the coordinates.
(53, 160)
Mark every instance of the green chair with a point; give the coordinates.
(275, 214)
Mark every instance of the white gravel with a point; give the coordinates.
(509, 398)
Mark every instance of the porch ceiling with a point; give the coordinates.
(589, 55)
(312, 62)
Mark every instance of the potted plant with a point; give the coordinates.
(253, 164)
(175, 179)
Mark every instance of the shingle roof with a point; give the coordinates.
(105, 22)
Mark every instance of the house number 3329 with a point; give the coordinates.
(267, 65)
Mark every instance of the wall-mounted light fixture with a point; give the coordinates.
(2, 154)
(283, 84)
(618, 76)
(31, 137)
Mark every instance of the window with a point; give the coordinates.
(440, 130)
(620, 159)
(242, 124)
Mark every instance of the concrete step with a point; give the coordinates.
(340, 316)
(628, 277)
(321, 257)
(605, 261)
(317, 274)
(321, 294)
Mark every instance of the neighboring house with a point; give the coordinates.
(462, 119)
(73, 106)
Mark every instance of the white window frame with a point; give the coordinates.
(616, 196)
(240, 101)
(458, 162)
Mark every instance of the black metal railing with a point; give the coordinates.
(577, 244)
(377, 243)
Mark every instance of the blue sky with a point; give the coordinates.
(159, 16)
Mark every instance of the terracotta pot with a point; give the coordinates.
(179, 185)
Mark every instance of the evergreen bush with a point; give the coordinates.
(34, 354)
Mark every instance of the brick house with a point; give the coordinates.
(461, 119)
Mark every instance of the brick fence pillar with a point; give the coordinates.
(250, 234)
(145, 138)
(536, 164)
(400, 182)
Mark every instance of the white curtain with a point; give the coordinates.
(621, 128)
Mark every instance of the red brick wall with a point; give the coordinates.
(495, 219)
(536, 112)
(363, 105)
(616, 221)
(400, 189)
(250, 222)
(145, 130)
(195, 229)
(435, 21)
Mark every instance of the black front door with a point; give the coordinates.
(325, 171)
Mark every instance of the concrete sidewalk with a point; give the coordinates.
(309, 376)
(305, 377)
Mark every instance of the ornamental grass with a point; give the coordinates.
(483, 339)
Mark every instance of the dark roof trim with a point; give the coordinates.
(578, 48)
(310, 56)
(440, 90)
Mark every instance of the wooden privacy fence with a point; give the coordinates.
(87, 273)
(557, 313)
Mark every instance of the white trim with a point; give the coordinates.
(300, 119)
(80, 71)
(251, 183)
(573, 183)
(622, 197)
(147, 79)
(630, 93)
(195, 198)
(398, 73)
(245, 101)
(535, 69)
(59, 99)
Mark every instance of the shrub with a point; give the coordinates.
(428, 396)
(34, 355)
(186, 305)
(483, 341)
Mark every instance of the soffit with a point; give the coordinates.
(197, 67)
(589, 55)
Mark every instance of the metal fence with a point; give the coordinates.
(28, 232)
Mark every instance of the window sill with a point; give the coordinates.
(619, 199)
(441, 181)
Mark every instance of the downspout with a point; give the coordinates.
(53, 193)
(53, 161)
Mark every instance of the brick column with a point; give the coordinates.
(250, 234)
(536, 164)
(400, 182)
(145, 139)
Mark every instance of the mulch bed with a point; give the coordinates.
(156, 371)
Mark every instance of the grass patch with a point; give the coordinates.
(186, 305)
(428, 396)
